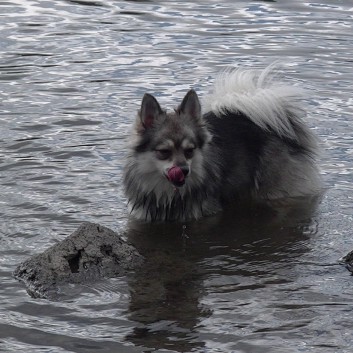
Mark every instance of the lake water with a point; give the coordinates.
(72, 74)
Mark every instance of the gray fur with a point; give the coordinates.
(233, 154)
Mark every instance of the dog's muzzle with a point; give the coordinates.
(176, 175)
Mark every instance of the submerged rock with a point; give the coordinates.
(90, 253)
(348, 261)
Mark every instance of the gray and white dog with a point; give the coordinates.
(249, 144)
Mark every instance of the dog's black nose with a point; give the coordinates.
(185, 169)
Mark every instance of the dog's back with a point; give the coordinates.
(267, 150)
(251, 144)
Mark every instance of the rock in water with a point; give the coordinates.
(90, 253)
(348, 261)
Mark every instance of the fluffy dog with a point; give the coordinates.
(249, 144)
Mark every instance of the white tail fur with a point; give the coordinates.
(255, 93)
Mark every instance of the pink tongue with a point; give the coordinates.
(176, 175)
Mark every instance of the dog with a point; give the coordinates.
(250, 143)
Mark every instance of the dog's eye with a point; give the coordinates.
(163, 154)
(189, 152)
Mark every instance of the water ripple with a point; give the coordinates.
(72, 74)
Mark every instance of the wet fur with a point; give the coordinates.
(251, 144)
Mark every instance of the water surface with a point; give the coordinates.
(72, 74)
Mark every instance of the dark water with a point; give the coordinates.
(72, 74)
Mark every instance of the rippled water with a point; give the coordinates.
(72, 74)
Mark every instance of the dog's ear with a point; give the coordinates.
(190, 106)
(150, 110)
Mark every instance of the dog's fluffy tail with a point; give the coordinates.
(269, 104)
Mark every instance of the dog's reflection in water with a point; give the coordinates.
(168, 293)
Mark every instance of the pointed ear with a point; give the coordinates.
(190, 105)
(150, 110)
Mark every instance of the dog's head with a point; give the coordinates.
(171, 144)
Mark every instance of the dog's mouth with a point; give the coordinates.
(178, 183)
(176, 176)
